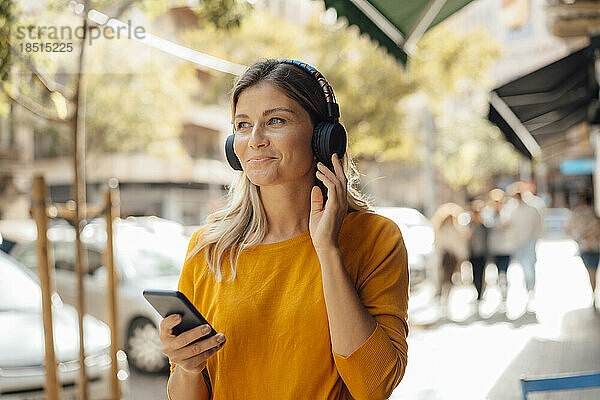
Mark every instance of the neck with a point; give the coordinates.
(287, 207)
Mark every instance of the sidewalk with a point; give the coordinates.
(577, 350)
(481, 354)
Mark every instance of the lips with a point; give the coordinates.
(260, 158)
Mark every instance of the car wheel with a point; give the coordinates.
(144, 348)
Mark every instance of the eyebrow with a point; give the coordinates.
(267, 112)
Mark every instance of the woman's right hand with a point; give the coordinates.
(189, 356)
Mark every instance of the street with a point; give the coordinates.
(466, 356)
(147, 387)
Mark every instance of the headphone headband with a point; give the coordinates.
(333, 110)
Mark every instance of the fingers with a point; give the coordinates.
(193, 334)
(328, 178)
(338, 177)
(200, 347)
(325, 171)
(171, 342)
(198, 362)
(189, 349)
(336, 182)
(168, 323)
(339, 170)
(341, 181)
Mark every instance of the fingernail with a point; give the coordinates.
(220, 338)
(205, 329)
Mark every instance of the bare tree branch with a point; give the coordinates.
(50, 84)
(33, 106)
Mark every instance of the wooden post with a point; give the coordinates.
(78, 126)
(111, 201)
(45, 269)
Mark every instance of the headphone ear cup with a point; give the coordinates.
(232, 158)
(329, 138)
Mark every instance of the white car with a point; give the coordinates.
(149, 254)
(419, 239)
(22, 374)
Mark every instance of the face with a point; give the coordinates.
(268, 124)
(518, 196)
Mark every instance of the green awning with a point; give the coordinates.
(396, 24)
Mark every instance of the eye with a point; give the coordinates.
(276, 120)
(241, 125)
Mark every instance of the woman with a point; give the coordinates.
(478, 246)
(450, 245)
(315, 301)
(499, 239)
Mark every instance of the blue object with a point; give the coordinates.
(578, 166)
(564, 382)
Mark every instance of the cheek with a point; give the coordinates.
(239, 145)
(302, 153)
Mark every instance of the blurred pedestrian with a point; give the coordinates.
(478, 245)
(450, 244)
(500, 245)
(584, 228)
(525, 229)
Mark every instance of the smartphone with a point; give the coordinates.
(168, 302)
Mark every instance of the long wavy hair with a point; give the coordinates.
(242, 222)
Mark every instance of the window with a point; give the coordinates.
(64, 256)
(28, 256)
(95, 260)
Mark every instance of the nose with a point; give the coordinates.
(257, 137)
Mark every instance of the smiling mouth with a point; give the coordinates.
(260, 160)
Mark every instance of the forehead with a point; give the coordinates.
(264, 96)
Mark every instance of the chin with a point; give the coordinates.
(260, 178)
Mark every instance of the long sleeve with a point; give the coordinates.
(374, 369)
(186, 278)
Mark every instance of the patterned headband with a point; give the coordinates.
(327, 90)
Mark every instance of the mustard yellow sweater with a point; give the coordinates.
(274, 317)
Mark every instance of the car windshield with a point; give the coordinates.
(405, 216)
(151, 256)
(415, 227)
(138, 251)
(18, 290)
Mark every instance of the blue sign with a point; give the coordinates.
(578, 166)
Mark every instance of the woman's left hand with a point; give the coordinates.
(325, 224)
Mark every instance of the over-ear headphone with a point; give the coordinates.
(329, 136)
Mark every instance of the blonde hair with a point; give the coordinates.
(242, 222)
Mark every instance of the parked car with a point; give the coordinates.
(419, 238)
(22, 352)
(16, 230)
(147, 256)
